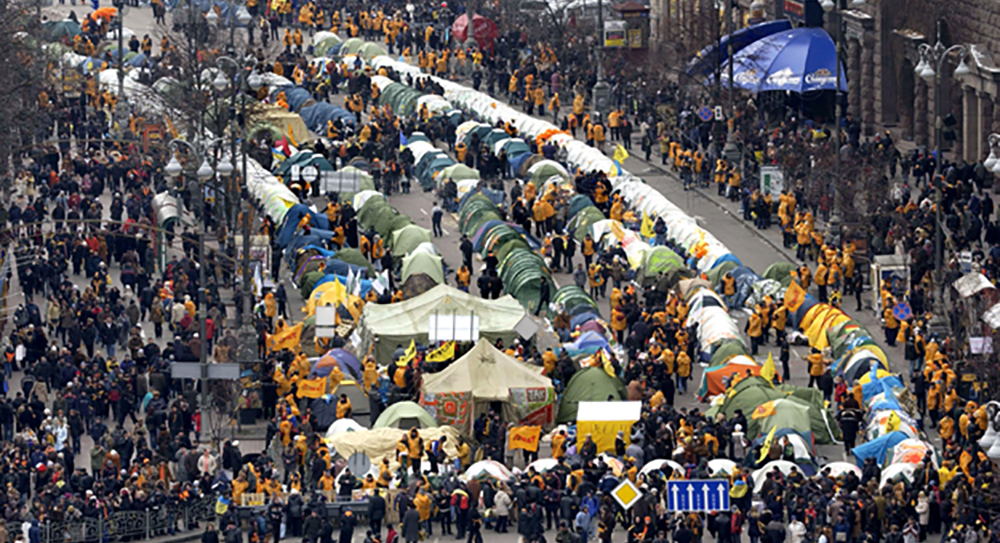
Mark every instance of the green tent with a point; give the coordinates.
(425, 263)
(351, 46)
(371, 50)
(791, 413)
(407, 238)
(458, 172)
(405, 415)
(778, 271)
(588, 385)
(577, 204)
(572, 296)
(369, 213)
(656, 261)
(752, 392)
(354, 257)
(477, 210)
(547, 169)
(716, 274)
(522, 272)
(580, 224)
(309, 281)
(323, 46)
(725, 350)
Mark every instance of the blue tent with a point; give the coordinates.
(874, 388)
(704, 63)
(586, 316)
(877, 448)
(366, 284)
(340, 267)
(799, 60)
(295, 96)
(728, 257)
(348, 364)
(316, 116)
(589, 342)
(136, 61)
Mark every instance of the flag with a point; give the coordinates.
(170, 126)
(768, 371)
(287, 338)
(403, 142)
(646, 230)
(766, 447)
(763, 410)
(350, 279)
(291, 138)
(525, 437)
(794, 296)
(894, 423)
(410, 354)
(620, 154)
(381, 282)
(606, 363)
(311, 388)
(443, 353)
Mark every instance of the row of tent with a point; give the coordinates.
(794, 409)
(314, 113)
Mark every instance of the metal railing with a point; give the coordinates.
(132, 525)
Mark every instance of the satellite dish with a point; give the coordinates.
(359, 463)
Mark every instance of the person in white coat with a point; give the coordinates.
(923, 511)
(502, 509)
(796, 532)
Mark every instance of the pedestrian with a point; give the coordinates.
(436, 214)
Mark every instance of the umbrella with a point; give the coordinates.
(543, 464)
(488, 469)
(106, 13)
(836, 469)
(660, 464)
(484, 31)
(799, 60)
(721, 467)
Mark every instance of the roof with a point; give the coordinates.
(410, 317)
(629, 5)
(487, 372)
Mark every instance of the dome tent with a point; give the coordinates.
(405, 415)
(588, 384)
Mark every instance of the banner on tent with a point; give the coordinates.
(534, 406)
(449, 408)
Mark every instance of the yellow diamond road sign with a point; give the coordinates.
(626, 494)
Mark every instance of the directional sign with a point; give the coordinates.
(626, 494)
(698, 495)
(718, 113)
(705, 113)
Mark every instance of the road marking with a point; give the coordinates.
(445, 232)
(423, 211)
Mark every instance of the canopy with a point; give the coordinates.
(588, 385)
(481, 376)
(704, 63)
(484, 31)
(398, 323)
(405, 415)
(799, 60)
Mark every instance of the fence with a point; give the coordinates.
(131, 525)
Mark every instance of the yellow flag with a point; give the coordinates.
(442, 353)
(794, 296)
(311, 388)
(606, 363)
(763, 410)
(893, 424)
(287, 338)
(766, 447)
(768, 371)
(170, 126)
(291, 138)
(646, 230)
(620, 154)
(410, 354)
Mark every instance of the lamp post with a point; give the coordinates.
(833, 7)
(120, 15)
(929, 68)
(203, 174)
(992, 163)
(245, 79)
(601, 92)
(731, 151)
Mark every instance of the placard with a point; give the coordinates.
(614, 33)
(442, 328)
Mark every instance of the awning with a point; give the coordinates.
(799, 60)
(703, 64)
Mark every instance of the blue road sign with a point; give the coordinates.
(705, 113)
(698, 495)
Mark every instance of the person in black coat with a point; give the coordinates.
(211, 535)
(411, 526)
(376, 512)
(347, 523)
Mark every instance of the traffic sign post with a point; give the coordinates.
(698, 495)
(626, 494)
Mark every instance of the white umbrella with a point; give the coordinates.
(654, 465)
(759, 476)
(543, 464)
(720, 466)
(488, 468)
(836, 469)
(344, 425)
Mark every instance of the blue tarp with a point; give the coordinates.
(589, 342)
(877, 448)
(874, 388)
(316, 116)
(799, 60)
(292, 218)
(136, 61)
(704, 63)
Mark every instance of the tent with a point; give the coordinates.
(343, 425)
(798, 60)
(588, 343)
(348, 363)
(783, 413)
(388, 325)
(878, 448)
(359, 399)
(759, 476)
(324, 409)
(379, 443)
(488, 469)
(602, 420)
(405, 415)
(588, 385)
(707, 59)
(407, 238)
(751, 393)
(427, 264)
(483, 377)
(712, 378)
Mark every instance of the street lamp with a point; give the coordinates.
(992, 163)
(212, 17)
(243, 16)
(929, 68)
